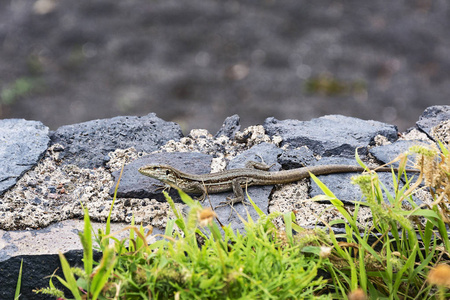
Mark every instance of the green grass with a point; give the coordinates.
(196, 259)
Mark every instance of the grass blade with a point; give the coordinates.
(103, 271)
(86, 241)
(108, 220)
(19, 282)
(70, 282)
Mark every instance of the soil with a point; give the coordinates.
(196, 62)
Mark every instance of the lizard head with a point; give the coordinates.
(164, 173)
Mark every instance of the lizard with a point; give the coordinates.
(235, 179)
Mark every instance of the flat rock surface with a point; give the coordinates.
(61, 236)
(390, 152)
(22, 144)
(332, 135)
(39, 251)
(340, 184)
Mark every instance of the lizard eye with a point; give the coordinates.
(167, 172)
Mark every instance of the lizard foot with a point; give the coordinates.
(162, 187)
(231, 202)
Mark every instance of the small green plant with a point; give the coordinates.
(392, 259)
(19, 88)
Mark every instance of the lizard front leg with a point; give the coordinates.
(191, 188)
(197, 188)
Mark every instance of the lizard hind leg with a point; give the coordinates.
(238, 198)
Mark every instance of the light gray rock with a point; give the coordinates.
(331, 135)
(87, 144)
(22, 145)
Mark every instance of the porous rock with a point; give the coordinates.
(330, 135)
(87, 144)
(296, 158)
(230, 127)
(432, 116)
(22, 145)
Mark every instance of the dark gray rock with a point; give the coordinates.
(331, 135)
(35, 272)
(339, 184)
(432, 116)
(135, 185)
(387, 153)
(22, 145)
(87, 144)
(268, 153)
(296, 158)
(230, 127)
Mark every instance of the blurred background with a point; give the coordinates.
(196, 62)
